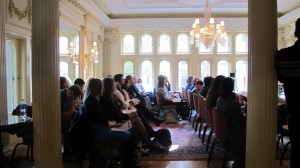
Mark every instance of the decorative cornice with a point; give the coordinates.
(27, 12)
(112, 33)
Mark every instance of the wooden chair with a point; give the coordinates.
(221, 129)
(26, 133)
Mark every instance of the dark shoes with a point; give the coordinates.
(157, 121)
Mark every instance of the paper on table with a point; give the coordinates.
(128, 111)
(125, 126)
(176, 100)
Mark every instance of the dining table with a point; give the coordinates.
(13, 125)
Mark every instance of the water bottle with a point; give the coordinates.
(23, 113)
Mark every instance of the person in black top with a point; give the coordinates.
(288, 72)
(207, 82)
(68, 111)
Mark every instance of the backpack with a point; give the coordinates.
(80, 135)
(163, 138)
(170, 115)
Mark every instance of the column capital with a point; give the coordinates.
(113, 34)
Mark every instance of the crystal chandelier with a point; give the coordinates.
(209, 33)
(93, 54)
(71, 55)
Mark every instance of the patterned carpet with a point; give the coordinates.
(185, 144)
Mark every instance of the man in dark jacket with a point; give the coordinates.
(288, 71)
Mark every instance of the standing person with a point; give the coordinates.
(80, 82)
(288, 71)
(68, 111)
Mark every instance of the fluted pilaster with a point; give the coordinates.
(45, 84)
(3, 85)
(262, 92)
(113, 47)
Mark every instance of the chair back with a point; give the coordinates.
(201, 105)
(195, 102)
(209, 116)
(16, 111)
(183, 93)
(158, 99)
(220, 123)
(190, 98)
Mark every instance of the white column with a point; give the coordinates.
(3, 85)
(82, 52)
(45, 84)
(262, 92)
(113, 48)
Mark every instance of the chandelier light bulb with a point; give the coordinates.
(211, 20)
(197, 21)
(95, 44)
(92, 51)
(222, 23)
(71, 44)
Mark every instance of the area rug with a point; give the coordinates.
(186, 145)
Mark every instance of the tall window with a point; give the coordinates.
(146, 44)
(183, 44)
(241, 76)
(63, 45)
(241, 43)
(205, 69)
(164, 69)
(223, 68)
(76, 45)
(147, 75)
(128, 68)
(164, 46)
(182, 74)
(224, 48)
(11, 76)
(64, 68)
(128, 44)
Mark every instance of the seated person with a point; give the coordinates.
(207, 82)
(198, 87)
(236, 138)
(189, 83)
(68, 111)
(102, 127)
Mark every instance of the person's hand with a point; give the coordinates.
(112, 123)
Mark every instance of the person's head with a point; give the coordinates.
(119, 79)
(190, 79)
(109, 86)
(297, 29)
(94, 88)
(199, 84)
(226, 86)
(139, 80)
(126, 84)
(208, 80)
(79, 82)
(195, 80)
(63, 82)
(73, 92)
(161, 81)
(130, 79)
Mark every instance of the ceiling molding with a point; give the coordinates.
(289, 17)
(178, 24)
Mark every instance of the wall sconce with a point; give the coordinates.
(71, 56)
(93, 54)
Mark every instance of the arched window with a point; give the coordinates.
(64, 68)
(241, 76)
(146, 44)
(205, 69)
(224, 46)
(164, 46)
(164, 69)
(223, 68)
(63, 45)
(128, 44)
(241, 43)
(182, 74)
(128, 68)
(11, 76)
(76, 45)
(183, 44)
(147, 75)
